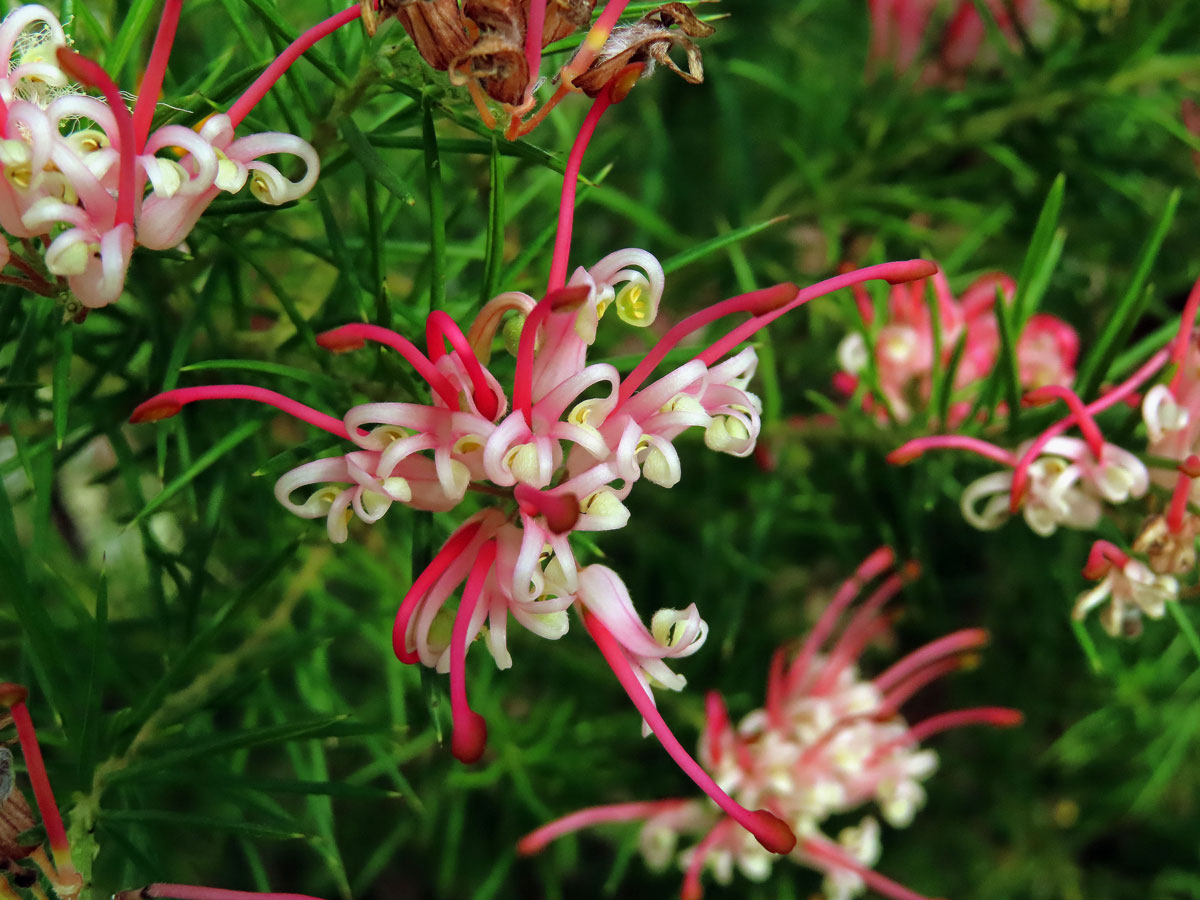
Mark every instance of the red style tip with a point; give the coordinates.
(80, 68)
(692, 890)
(11, 694)
(1007, 718)
(911, 270)
(1038, 397)
(904, 454)
(772, 832)
(470, 737)
(561, 511)
(340, 340)
(1191, 466)
(154, 409)
(911, 570)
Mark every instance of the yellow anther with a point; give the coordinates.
(724, 432)
(383, 436)
(683, 403)
(633, 306)
(604, 504)
(522, 461)
(468, 443)
(89, 141)
(397, 488)
(587, 413)
(658, 469)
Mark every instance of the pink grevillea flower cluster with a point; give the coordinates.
(904, 33)
(57, 867)
(1056, 480)
(826, 742)
(911, 347)
(560, 452)
(88, 196)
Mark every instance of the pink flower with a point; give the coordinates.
(562, 459)
(905, 345)
(902, 31)
(1129, 586)
(826, 742)
(58, 868)
(94, 194)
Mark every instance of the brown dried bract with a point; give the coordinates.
(564, 17)
(496, 58)
(649, 40)
(435, 26)
(15, 814)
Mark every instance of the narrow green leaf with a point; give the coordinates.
(1039, 246)
(192, 823)
(203, 747)
(64, 340)
(1007, 364)
(222, 447)
(437, 211)
(271, 18)
(712, 245)
(373, 164)
(95, 689)
(1128, 309)
(493, 253)
(133, 27)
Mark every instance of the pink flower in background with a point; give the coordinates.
(904, 346)
(905, 32)
(58, 868)
(826, 742)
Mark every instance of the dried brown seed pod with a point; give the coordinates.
(649, 40)
(564, 17)
(435, 26)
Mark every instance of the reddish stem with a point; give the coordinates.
(558, 300)
(470, 730)
(716, 722)
(1020, 480)
(902, 692)
(1087, 424)
(439, 327)
(863, 628)
(595, 39)
(451, 550)
(90, 74)
(151, 89)
(955, 642)
(1189, 469)
(876, 564)
(536, 841)
(1187, 322)
(770, 831)
(995, 716)
(354, 335)
(906, 453)
(893, 273)
(566, 206)
(13, 695)
(692, 890)
(829, 855)
(755, 302)
(169, 403)
(242, 106)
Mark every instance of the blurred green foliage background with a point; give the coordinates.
(214, 681)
